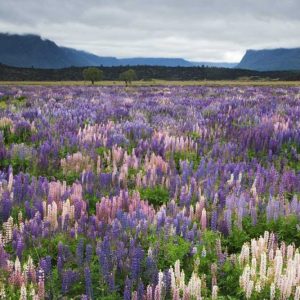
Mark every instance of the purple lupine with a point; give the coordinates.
(46, 265)
(136, 260)
(69, 277)
(88, 253)
(127, 289)
(5, 206)
(88, 283)
(19, 248)
(79, 252)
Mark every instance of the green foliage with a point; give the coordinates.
(66, 150)
(113, 296)
(3, 105)
(15, 212)
(4, 98)
(92, 74)
(194, 135)
(190, 156)
(132, 173)
(101, 151)
(21, 135)
(157, 195)
(260, 155)
(3, 102)
(290, 152)
(70, 177)
(208, 246)
(6, 131)
(128, 76)
(170, 249)
(228, 280)
(235, 240)
(38, 248)
(92, 201)
(18, 164)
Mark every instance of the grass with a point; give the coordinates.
(157, 82)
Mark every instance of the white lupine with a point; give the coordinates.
(254, 248)
(2, 293)
(194, 286)
(258, 287)
(263, 265)
(290, 251)
(278, 262)
(214, 294)
(272, 291)
(231, 180)
(182, 280)
(261, 244)
(8, 229)
(17, 265)
(249, 289)
(245, 253)
(266, 237)
(270, 271)
(281, 271)
(10, 181)
(191, 290)
(283, 249)
(173, 279)
(253, 266)
(245, 278)
(23, 295)
(160, 279)
(271, 255)
(177, 270)
(297, 293)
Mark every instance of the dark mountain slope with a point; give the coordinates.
(271, 60)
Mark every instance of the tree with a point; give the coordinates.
(92, 74)
(128, 76)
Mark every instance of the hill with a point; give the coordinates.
(271, 60)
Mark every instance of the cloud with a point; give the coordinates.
(208, 30)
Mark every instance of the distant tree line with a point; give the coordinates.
(142, 73)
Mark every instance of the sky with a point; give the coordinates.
(197, 30)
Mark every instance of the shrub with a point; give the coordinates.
(157, 195)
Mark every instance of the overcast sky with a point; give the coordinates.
(200, 30)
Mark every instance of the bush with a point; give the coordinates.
(157, 195)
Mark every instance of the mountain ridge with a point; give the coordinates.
(31, 50)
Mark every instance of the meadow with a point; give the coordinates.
(246, 81)
(180, 192)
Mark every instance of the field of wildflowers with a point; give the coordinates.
(149, 193)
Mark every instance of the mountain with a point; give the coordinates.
(32, 51)
(271, 60)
